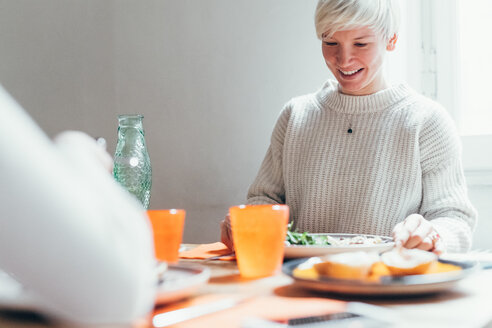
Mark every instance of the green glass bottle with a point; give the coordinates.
(132, 167)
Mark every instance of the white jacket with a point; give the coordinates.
(68, 232)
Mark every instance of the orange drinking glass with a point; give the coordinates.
(167, 226)
(259, 233)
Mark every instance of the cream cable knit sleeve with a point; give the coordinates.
(403, 157)
(445, 199)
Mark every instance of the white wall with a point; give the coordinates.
(209, 76)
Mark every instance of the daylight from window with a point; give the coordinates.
(476, 54)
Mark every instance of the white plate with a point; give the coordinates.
(296, 251)
(406, 285)
(181, 281)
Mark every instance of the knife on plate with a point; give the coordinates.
(173, 317)
(218, 257)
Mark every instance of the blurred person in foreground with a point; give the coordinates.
(360, 155)
(79, 244)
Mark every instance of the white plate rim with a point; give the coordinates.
(185, 281)
(188, 278)
(298, 251)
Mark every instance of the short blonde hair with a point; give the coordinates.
(382, 16)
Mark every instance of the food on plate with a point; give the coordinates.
(297, 238)
(352, 265)
(305, 238)
(402, 261)
(370, 267)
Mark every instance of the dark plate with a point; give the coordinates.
(406, 285)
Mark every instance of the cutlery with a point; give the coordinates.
(357, 315)
(220, 256)
(173, 317)
(336, 320)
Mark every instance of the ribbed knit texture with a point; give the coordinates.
(403, 157)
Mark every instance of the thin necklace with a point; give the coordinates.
(348, 118)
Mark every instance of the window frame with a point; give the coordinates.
(433, 26)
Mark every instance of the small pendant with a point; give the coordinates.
(349, 130)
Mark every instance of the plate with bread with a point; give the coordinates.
(399, 271)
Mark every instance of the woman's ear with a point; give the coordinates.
(392, 42)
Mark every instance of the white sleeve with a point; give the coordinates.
(68, 232)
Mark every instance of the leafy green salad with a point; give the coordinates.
(304, 238)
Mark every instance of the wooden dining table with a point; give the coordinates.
(467, 304)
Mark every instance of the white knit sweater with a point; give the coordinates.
(403, 157)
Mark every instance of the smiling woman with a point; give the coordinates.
(355, 43)
(355, 58)
(398, 169)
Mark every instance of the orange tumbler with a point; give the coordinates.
(259, 233)
(167, 226)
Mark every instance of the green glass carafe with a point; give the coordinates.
(132, 168)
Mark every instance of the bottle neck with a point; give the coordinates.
(130, 130)
(130, 125)
(130, 121)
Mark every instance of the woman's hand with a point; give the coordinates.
(417, 232)
(226, 233)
